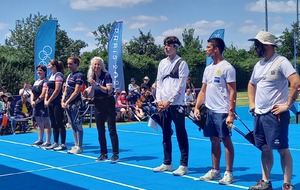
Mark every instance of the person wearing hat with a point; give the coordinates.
(122, 105)
(270, 101)
(133, 86)
(145, 84)
(170, 105)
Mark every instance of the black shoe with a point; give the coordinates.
(114, 158)
(102, 158)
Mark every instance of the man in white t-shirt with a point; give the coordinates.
(269, 101)
(218, 92)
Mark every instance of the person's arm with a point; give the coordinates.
(232, 101)
(293, 94)
(200, 101)
(251, 95)
(75, 93)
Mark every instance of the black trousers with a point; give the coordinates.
(56, 114)
(105, 110)
(176, 114)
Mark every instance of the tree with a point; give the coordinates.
(191, 51)
(20, 44)
(102, 36)
(144, 45)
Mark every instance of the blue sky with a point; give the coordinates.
(241, 19)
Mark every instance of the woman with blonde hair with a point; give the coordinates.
(101, 84)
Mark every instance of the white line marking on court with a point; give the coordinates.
(148, 168)
(71, 171)
(192, 138)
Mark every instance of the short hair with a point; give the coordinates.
(172, 40)
(217, 42)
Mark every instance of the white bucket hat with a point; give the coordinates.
(265, 37)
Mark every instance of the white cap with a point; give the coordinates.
(265, 37)
(146, 78)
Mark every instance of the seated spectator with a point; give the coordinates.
(116, 95)
(191, 86)
(189, 100)
(23, 109)
(146, 84)
(133, 86)
(9, 103)
(132, 97)
(122, 106)
(147, 100)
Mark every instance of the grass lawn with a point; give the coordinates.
(242, 99)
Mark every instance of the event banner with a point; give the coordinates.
(44, 48)
(115, 59)
(216, 34)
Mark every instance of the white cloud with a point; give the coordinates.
(3, 26)
(249, 27)
(273, 6)
(202, 27)
(141, 21)
(97, 4)
(80, 28)
(279, 27)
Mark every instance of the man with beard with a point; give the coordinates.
(269, 102)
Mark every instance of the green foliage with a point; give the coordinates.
(139, 66)
(141, 55)
(102, 36)
(17, 56)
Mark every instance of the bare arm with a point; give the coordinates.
(251, 95)
(200, 101)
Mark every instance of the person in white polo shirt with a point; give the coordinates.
(270, 101)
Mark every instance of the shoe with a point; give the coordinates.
(102, 158)
(287, 186)
(37, 143)
(227, 179)
(182, 170)
(211, 175)
(45, 145)
(54, 145)
(60, 147)
(114, 158)
(73, 150)
(163, 168)
(261, 185)
(78, 150)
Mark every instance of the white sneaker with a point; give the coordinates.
(182, 170)
(61, 147)
(79, 150)
(163, 168)
(227, 179)
(211, 175)
(54, 145)
(74, 150)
